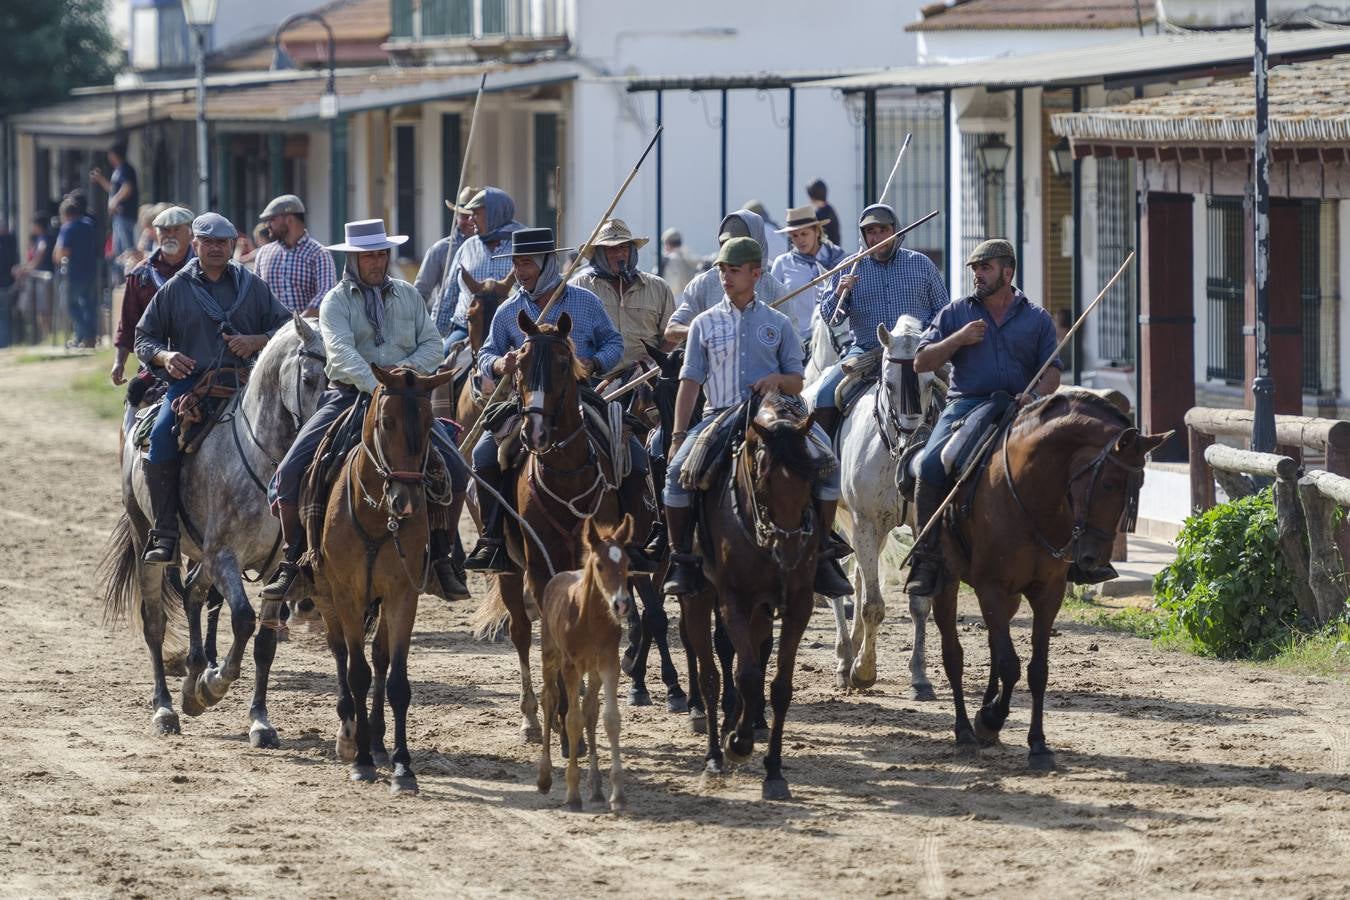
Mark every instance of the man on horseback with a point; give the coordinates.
(367, 318)
(213, 315)
(996, 340)
(480, 258)
(739, 347)
(173, 233)
(599, 347)
(639, 304)
(889, 283)
(810, 255)
(431, 282)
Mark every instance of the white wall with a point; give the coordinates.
(950, 47)
(1238, 13)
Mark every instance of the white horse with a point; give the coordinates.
(828, 343)
(871, 439)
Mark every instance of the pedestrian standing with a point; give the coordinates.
(295, 266)
(679, 266)
(77, 250)
(124, 198)
(817, 192)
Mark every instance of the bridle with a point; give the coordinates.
(303, 353)
(784, 545)
(1134, 480)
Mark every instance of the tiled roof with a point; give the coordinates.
(1003, 15)
(359, 28)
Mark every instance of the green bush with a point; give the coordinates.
(1229, 588)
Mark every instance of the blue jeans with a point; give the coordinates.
(931, 468)
(82, 302)
(163, 442)
(826, 488)
(829, 381)
(123, 233)
(457, 333)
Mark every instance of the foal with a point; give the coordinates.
(581, 620)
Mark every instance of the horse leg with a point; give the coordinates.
(953, 657)
(997, 616)
(345, 745)
(745, 632)
(261, 733)
(550, 666)
(795, 616)
(358, 680)
(1044, 608)
(223, 570)
(765, 654)
(696, 612)
(214, 601)
(843, 644)
(153, 624)
(726, 657)
(610, 678)
(189, 697)
(379, 661)
(991, 690)
(512, 589)
(400, 618)
(872, 607)
(920, 688)
(591, 709)
(640, 643)
(698, 714)
(572, 680)
(656, 629)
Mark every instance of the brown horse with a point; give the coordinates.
(562, 483)
(759, 541)
(581, 620)
(1053, 493)
(371, 564)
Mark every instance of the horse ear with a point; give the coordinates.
(883, 334)
(655, 353)
(302, 328)
(1128, 439)
(625, 532)
(592, 536)
(431, 382)
(1150, 442)
(474, 286)
(564, 325)
(384, 376)
(526, 324)
(807, 423)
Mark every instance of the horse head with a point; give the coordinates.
(664, 389)
(607, 565)
(903, 389)
(396, 435)
(778, 456)
(291, 369)
(547, 373)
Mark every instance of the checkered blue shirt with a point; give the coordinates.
(299, 275)
(907, 285)
(476, 258)
(593, 334)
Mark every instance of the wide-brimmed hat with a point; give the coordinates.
(461, 204)
(800, 217)
(532, 242)
(286, 203)
(367, 236)
(615, 232)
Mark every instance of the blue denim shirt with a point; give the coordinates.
(1009, 355)
(728, 350)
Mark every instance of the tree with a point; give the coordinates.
(48, 47)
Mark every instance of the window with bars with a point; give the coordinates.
(1319, 277)
(1115, 241)
(918, 186)
(983, 199)
(1225, 276)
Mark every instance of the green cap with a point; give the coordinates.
(994, 248)
(740, 250)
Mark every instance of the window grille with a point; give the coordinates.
(918, 187)
(1224, 289)
(1115, 240)
(1320, 275)
(983, 199)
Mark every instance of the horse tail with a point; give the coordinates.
(117, 574)
(491, 616)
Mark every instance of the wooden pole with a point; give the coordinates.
(468, 145)
(843, 297)
(632, 384)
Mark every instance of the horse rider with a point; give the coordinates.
(809, 255)
(739, 347)
(367, 318)
(430, 281)
(890, 283)
(173, 234)
(213, 314)
(295, 266)
(996, 341)
(599, 347)
(494, 222)
(705, 290)
(639, 304)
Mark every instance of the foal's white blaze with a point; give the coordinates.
(615, 554)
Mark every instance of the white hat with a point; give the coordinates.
(368, 235)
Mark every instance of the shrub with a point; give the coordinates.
(1229, 588)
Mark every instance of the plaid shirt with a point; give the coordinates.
(477, 259)
(299, 275)
(907, 285)
(593, 334)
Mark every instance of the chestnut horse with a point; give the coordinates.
(1057, 485)
(370, 565)
(760, 517)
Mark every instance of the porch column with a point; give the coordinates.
(338, 160)
(1166, 319)
(1285, 285)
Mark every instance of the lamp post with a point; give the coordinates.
(1263, 387)
(328, 106)
(992, 157)
(200, 15)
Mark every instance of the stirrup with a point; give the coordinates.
(924, 575)
(162, 551)
(686, 574)
(830, 580)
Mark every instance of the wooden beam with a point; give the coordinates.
(1221, 457)
(1299, 431)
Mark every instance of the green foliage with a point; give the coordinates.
(1324, 652)
(1229, 588)
(48, 47)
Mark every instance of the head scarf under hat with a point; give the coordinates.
(627, 270)
(755, 226)
(373, 295)
(550, 274)
(501, 211)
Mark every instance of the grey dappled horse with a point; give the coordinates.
(225, 528)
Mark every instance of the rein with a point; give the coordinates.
(768, 536)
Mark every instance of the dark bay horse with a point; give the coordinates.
(1058, 484)
(759, 543)
(370, 565)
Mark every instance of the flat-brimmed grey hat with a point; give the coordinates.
(174, 215)
(286, 203)
(801, 217)
(367, 236)
(213, 225)
(461, 203)
(994, 248)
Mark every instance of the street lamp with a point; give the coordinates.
(328, 106)
(993, 155)
(1061, 158)
(200, 15)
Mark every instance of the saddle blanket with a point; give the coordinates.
(716, 444)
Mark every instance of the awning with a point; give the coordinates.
(765, 81)
(1154, 58)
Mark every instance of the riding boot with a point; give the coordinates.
(451, 588)
(926, 567)
(162, 481)
(830, 578)
(827, 417)
(632, 500)
(656, 540)
(293, 534)
(686, 568)
(490, 553)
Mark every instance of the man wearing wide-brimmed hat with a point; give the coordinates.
(809, 255)
(367, 318)
(480, 256)
(431, 281)
(638, 304)
(295, 266)
(173, 234)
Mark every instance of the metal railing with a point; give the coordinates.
(433, 20)
(38, 311)
(1225, 289)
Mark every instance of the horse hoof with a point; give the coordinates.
(165, 721)
(638, 697)
(732, 752)
(545, 783)
(713, 777)
(862, 682)
(362, 773)
(922, 692)
(988, 737)
(345, 745)
(531, 734)
(263, 737)
(618, 805)
(573, 805)
(698, 721)
(1041, 761)
(189, 699)
(212, 687)
(403, 781)
(677, 704)
(966, 740)
(381, 758)
(776, 789)
(626, 665)
(842, 680)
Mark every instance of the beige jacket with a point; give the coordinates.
(640, 315)
(410, 336)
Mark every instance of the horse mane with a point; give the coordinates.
(578, 368)
(1086, 406)
(785, 444)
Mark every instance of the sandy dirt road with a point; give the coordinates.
(1176, 773)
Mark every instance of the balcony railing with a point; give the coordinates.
(434, 21)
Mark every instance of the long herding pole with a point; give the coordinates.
(840, 308)
(471, 436)
(996, 428)
(468, 146)
(850, 260)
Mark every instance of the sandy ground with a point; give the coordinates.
(1176, 773)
